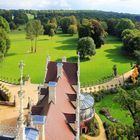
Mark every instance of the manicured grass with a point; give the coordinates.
(115, 110)
(100, 65)
(61, 45)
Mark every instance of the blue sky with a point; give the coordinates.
(126, 6)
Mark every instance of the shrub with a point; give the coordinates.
(98, 96)
(94, 128)
(118, 131)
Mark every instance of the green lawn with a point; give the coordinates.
(61, 45)
(115, 110)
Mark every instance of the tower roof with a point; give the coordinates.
(57, 126)
(86, 101)
(69, 68)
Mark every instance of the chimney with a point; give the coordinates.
(52, 91)
(59, 70)
(64, 59)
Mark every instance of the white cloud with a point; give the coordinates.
(131, 6)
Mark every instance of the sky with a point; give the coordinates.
(125, 6)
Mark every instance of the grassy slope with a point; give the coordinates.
(61, 45)
(115, 110)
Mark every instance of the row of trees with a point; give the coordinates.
(4, 38)
(117, 26)
(80, 14)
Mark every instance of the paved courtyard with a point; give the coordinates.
(9, 115)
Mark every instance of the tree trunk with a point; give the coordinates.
(138, 137)
(35, 45)
(32, 47)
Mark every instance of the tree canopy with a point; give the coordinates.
(94, 29)
(131, 102)
(86, 47)
(124, 24)
(65, 23)
(72, 29)
(131, 41)
(33, 30)
(4, 42)
(4, 24)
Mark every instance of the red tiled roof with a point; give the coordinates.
(69, 68)
(62, 112)
(56, 123)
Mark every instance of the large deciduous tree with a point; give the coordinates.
(86, 47)
(72, 29)
(123, 24)
(97, 33)
(33, 30)
(4, 24)
(111, 23)
(94, 29)
(131, 41)
(7, 15)
(4, 42)
(30, 33)
(48, 27)
(52, 33)
(65, 23)
(131, 102)
(38, 30)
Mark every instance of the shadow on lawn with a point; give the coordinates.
(10, 54)
(113, 41)
(117, 55)
(44, 39)
(68, 41)
(66, 47)
(63, 35)
(67, 44)
(72, 59)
